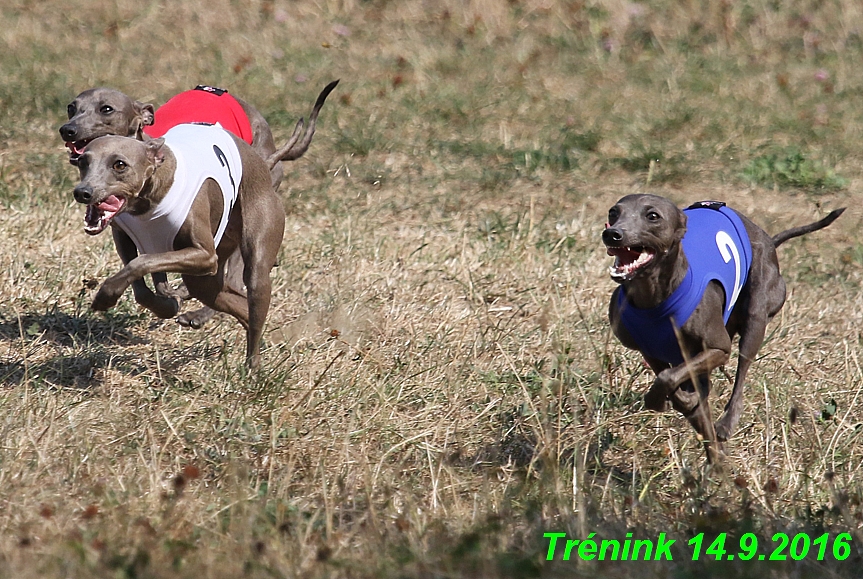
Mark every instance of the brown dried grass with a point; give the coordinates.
(439, 384)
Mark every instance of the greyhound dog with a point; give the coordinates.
(690, 281)
(103, 111)
(185, 203)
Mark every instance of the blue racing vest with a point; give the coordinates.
(717, 247)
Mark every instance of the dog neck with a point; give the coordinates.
(656, 285)
(156, 187)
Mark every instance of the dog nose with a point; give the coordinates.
(612, 236)
(83, 193)
(68, 132)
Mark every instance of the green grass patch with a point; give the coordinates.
(790, 167)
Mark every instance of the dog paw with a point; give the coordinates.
(165, 290)
(109, 293)
(715, 460)
(656, 401)
(253, 361)
(104, 300)
(165, 307)
(196, 319)
(725, 427)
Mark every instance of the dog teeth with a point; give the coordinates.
(625, 271)
(99, 216)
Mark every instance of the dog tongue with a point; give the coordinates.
(628, 260)
(76, 147)
(99, 216)
(110, 205)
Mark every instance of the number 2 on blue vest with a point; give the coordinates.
(727, 249)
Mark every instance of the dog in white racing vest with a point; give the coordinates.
(183, 204)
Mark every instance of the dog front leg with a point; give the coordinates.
(667, 383)
(691, 401)
(259, 292)
(674, 384)
(750, 341)
(189, 261)
(163, 305)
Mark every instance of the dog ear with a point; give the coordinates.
(155, 151)
(146, 112)
(680, 230)
(144, 116)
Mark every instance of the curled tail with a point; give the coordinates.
(781, 238)
(292, 149)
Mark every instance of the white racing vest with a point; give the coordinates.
(202, 152)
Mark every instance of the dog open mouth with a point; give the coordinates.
(76, 149)
(628, 260)
(99, 216)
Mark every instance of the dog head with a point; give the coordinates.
(641, 230)
(116, 174)
(103, 111)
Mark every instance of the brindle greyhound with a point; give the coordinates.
(645, 234)
(103, 111)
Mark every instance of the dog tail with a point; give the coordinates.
(292, 149)
(781, 238)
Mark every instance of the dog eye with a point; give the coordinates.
(653, 216)
(119, 166)
(613, 214)
(106, 110)
(71, 110)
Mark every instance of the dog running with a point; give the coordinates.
(99, 112)
(690, 280)
(185, 203)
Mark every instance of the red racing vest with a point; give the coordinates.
(205, 105)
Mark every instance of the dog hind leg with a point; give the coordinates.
(751, 337)
(259, 257)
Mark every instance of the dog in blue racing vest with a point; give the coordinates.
(690, 280)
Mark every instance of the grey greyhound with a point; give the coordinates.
(103, 111)
(186, 203)
(690, 281)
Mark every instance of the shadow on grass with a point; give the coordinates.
(70, 371)
(713, 524)
(64, 329)
(92, 339)
(516, 445)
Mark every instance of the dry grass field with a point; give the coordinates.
(440, 386)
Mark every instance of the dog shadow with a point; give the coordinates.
(65, 329)
(62, 371)
(90, 338)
